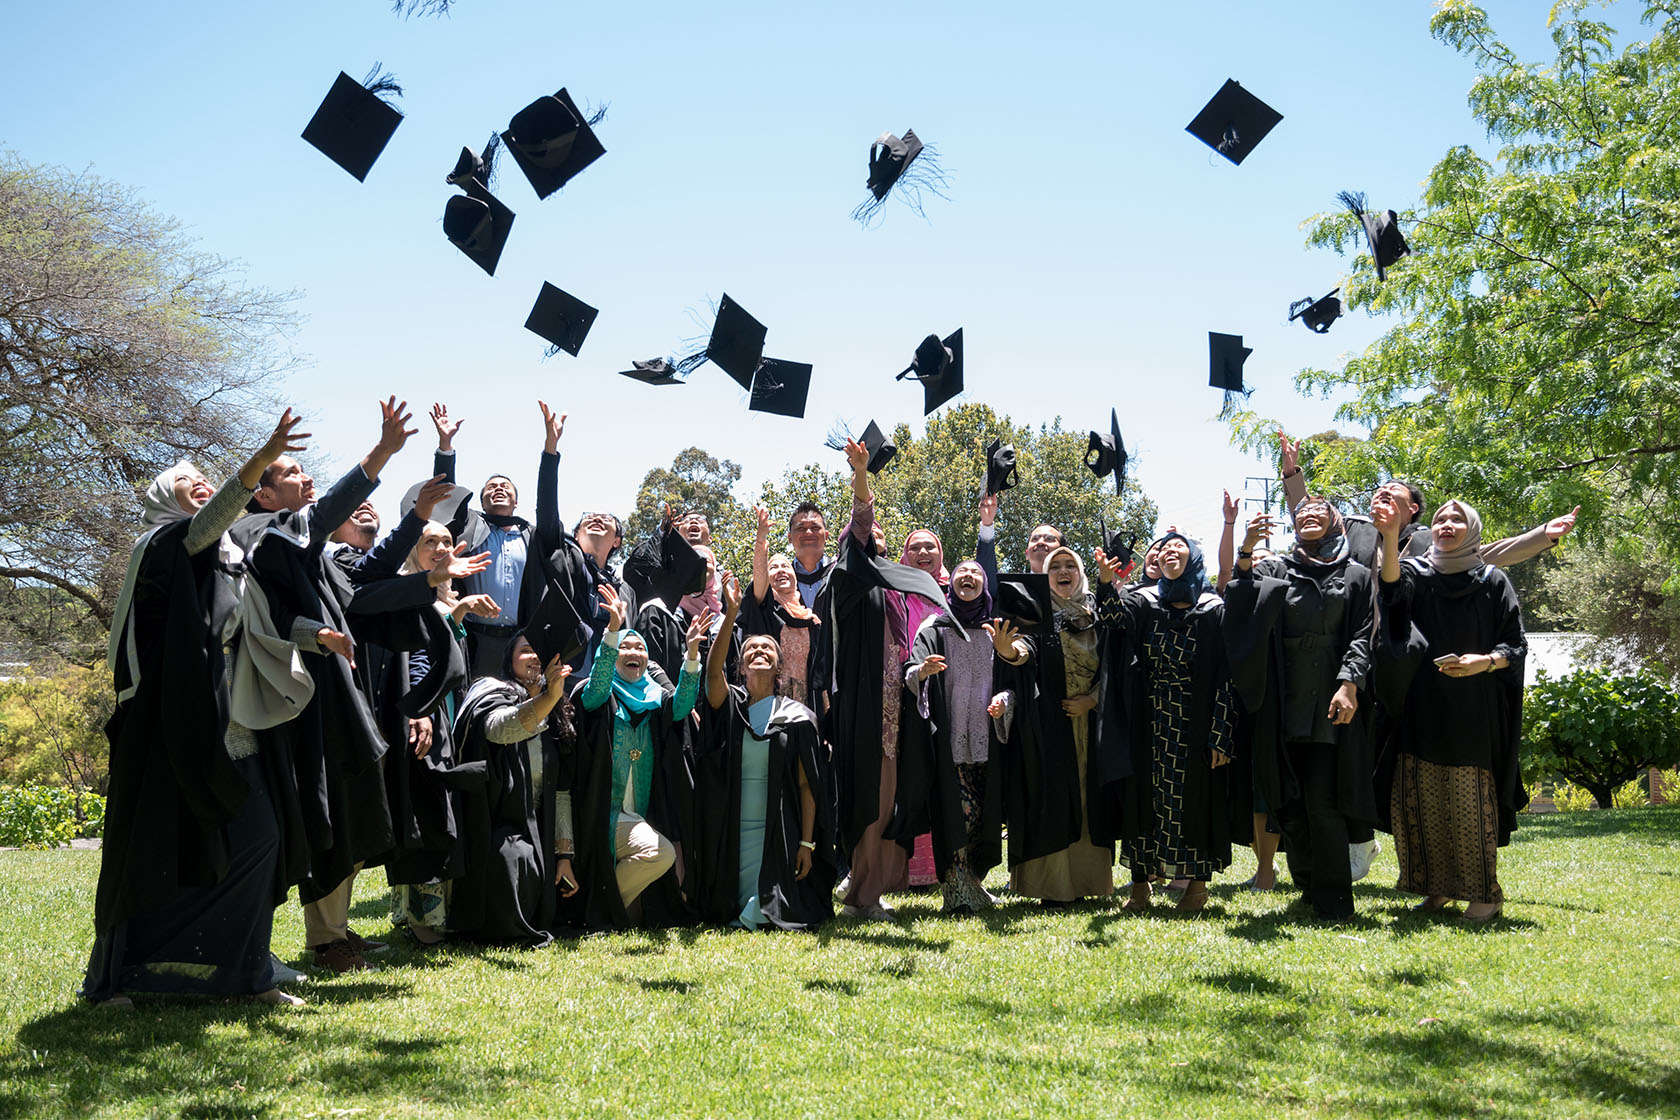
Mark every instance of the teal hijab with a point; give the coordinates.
(635, 697)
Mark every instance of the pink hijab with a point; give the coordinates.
(709, 598)
(906, 613)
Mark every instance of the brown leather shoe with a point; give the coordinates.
(339, 957)
(1195, 897)
(364, 945)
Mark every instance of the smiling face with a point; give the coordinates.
(499, 496)
(922, 551)
(1174, 558)
(783, 581)
(968, 581)
(527, 666)
(435, 543)
(1449, 527)
(809, 537)
(1041, 542)
(192, 490)
(632, 658)
(285, 486)
(695, 529)
(1312, 521)
(1063, 571)
(1152, 563)
(1399, 496)
(360, 528)
(598, 534)
(760, 656)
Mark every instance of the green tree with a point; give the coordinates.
(700, 483)
(122, 350)
(1535, 361)
(52, 729)
(1600, 729)
(934, 482)
(1626, 593)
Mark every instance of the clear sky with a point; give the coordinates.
(1088, 245)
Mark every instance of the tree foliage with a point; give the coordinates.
(122, 350)
(932, 483)
(1536, 362)
(1625, 593)
(1600, 729)
(52, 729)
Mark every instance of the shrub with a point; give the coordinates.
(1600, 729)
(46, 816)
(1571, 798)
(1630, 796)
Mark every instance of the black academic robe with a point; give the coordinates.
(415, 671)
(1453, 721)
(506, 891)
(769, 618)
(324, 765)
(671, 811)
(713, 848)
(666, 634)
(1218, 801)
(1282, 680)
(173, 789)
(929, 793)
(856, 623)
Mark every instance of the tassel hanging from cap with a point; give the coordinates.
(380, 81)
(921, 172)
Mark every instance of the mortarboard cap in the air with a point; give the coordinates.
(881, 449)
(1234, 122)
(654, 371)
(1118, 550)
(1382, 231)
(665, 566)
(1001, 473)
(477, 223)
(780, 387)
(561, 318)
(1318, 313)
(736, 345)
(906, 164)
(1023, 598)
(1226, 354)
(552, 141)
(354, 123)
(938, 365)
(1106, 454)
(555, 628)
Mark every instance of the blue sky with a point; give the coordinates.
(1088, 245)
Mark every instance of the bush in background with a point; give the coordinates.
(1599, 729)
(48, 816)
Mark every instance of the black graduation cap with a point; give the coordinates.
(780, 386)
(654, 371)
(881, 449)
(904, 163)
(1382, 231)
(1107, 454)
(1023, 598)
(1318, 313)
(470, 165)
(939, 367)
(1234, 122)
(1001, 474)
(354, 123)
(551, 141)
(736, 345)
(665, 566)
(561, 318)
(478, 224)
(1120, 551)
(555, 628)
(1226, 354)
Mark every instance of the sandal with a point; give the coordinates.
(1195, 897)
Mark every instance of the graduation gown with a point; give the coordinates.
(1283, 681)
(1040, 760)
(1454, 721)
(713, 848)
(506, 891)
(671, 811)
(929, 791)
(769, 618)
(323, 765)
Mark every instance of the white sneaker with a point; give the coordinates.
(285, 973)
(1360, 857)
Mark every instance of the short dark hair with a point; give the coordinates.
(269, 474)
(800, 510)
(505, 479)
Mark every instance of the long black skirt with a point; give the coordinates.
(205, 940)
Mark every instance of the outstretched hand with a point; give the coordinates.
(435, 490)
(698, 627)
(393, 426)
(285, 439)
(989, 508)
(1289, 454)
(446, 428)
(460, 566)
(1108, 571)
(731, 594)
(614, 605)
(554, 425)
(1003, 633)
(1558, 527)
(762, 516)
(931, 667)
(857, 455)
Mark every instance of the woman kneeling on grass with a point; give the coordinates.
(632, 784)
(763, 853)
(1456, 789)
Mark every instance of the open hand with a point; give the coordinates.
(932, 666)
(338, 642)
(284, 440)
(393, 426)
(420, 736)
(436, 489)
(446, 428)
(1558, 527)
(614, 605)
(554, 425)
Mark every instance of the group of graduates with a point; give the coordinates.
(539, 732)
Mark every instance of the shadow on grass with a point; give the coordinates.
(880, 933)
(1656, 824)
(1244, 982)
(841, 987)
(206, 1058)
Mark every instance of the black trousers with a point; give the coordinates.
(1317, 832)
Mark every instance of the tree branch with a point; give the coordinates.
(93, 603)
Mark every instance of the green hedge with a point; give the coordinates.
(45, 816)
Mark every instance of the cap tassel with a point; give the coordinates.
(492, 149)
(838, 436)
(378, 82)
(922, 173)
(1232, 398)
(407, 8)
(598, 116)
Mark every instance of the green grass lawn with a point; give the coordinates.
(1566, 1007)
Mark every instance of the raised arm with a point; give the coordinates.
(393, 433)
(863, 495)
(717, 687)
(549, 529)
(985, 544)
(761, 555)
(443, 463)
(1226, 536)
(1289, 467)
(1526, 546)
(227, 503)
